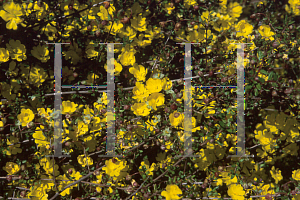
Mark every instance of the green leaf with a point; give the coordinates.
(255, 92)
(264, 72)
(258, 86)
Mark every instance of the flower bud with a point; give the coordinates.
(211, 73)
(104, 22)
(174, 106)
(89, 27)
(128, 177)
(274, 93)
(106, 4)
(196, 7)
(162, 24)
(129, 127)
(126, 107)
(135, 184)
(220, 168)
(253, 16)
(30, 124)
(275, 44)
(224, 79)
(206, 101)
(288, 90)
(70, 171)
(75, 74)
(9, 178)
(23, 167)
(252, 62)
(67, 144)
(23, 193)
(96, 173)
(177, 1)
(268, 196)
(71, 7)
(177, 26)
(167, 109)
(163, 147)
(68, 116)
(125, 20)
(130, 189)
(98, 32)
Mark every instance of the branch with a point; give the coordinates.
(79, 180)
(137, 189)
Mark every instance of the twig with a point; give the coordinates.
(137, 189)
(160, 52)
(79, 180)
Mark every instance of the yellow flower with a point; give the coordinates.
(296, 175)
(12, 13)
(293, 7)
(38, 192)
(47, 164)
(166, 83)
(139, 23)
(25, 116)
(68, 107)
(127, 32)
(156, 99)
(169, 8)
(17, 51)
(103, 14)
(153, 33)
(188, 3)
(223, 23)
(243, 28)
(234, 10)
(276, 174)
(236, 191)
(41, 53)
(50, 30)
(34, 9)
(266, 32)
(84, 160)
(11, 168)
(90, 50)
(113, 28)
(115, 168)
(4, 55)
(74, 53)
(39, 137)
(149, 170)
(37, 76)
(127, 56)
(172, 192)
(117, 68)
(140, 109)
(139, 72)
(176, 118)
(140, 92)
(154, 85)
